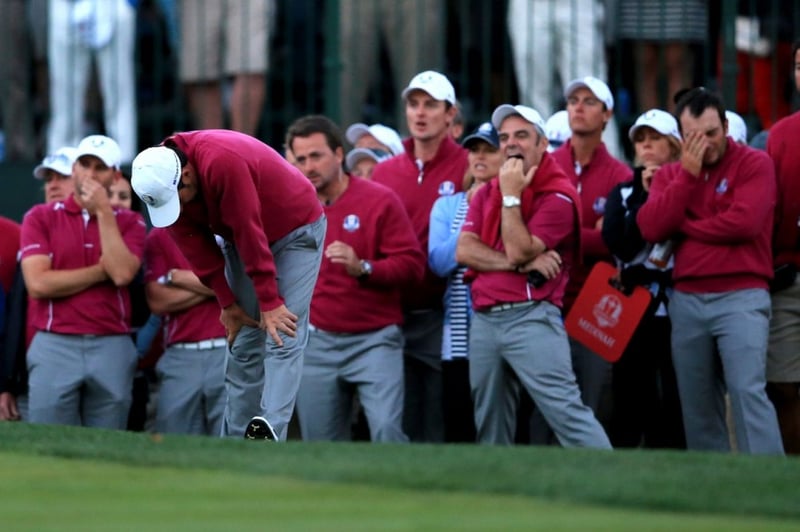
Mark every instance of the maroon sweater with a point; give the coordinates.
(418, 190)
(594, 184)
(369, 218)
(722, 221)
(250, 195)
(782, 147)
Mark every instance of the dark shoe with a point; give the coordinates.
(259, 429)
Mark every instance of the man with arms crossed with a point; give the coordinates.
(78, 257)
(526, 219)
(191, 372)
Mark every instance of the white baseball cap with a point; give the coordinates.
(598, 88)
(384, 134)
(557, 130)
(435, 84)
(61, 161)
(155, 174)
(357, 154)
(737, 129)
(661, 121)
(104, 148)
(528, 113)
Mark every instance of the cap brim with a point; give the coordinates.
(575, 85)
(472, 139)
(166, 214)
(355, 132)
(501, 113)
(39, 171)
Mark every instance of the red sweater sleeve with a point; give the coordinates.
(664, 212)
(203, 253)
(752, 203)
(400, 259)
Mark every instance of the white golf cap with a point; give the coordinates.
(155, 174)
(435, 84)
(737, 129)
(384, 134)
(557, 130)
(661, 121)
(528, 113)
(104, 148)
(61, 161)
(357, 154)
(598, 88)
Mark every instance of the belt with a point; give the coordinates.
(509, 306)
(202, 344)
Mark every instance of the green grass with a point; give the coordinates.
(70, 478)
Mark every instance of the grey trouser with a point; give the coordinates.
(191, 396)
(719, 341)
(261, 378)
(81, 379)
(336, 366)
(527, 348)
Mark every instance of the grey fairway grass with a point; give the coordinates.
(682, 482)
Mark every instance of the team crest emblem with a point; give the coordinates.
(722, 188)
(150, 200)
(447, 188)
(351, 223)
(599, 206)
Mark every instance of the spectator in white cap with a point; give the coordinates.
(553, 42)
(557, 130)
(361, 162)
(376, 136)
(78, 258)
(525, 220)
(431, 166)
(737, 129)
(56, 172)
(646, 407)
(594, 172)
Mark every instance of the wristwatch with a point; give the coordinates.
(165, 279)
(511, 201)
(366, 269)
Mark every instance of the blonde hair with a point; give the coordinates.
(674, 144)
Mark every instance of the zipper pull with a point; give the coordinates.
(420, 165)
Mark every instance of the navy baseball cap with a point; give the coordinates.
(485, 132)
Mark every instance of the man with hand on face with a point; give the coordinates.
(527, 219)
(78, 256)
(371, 254)
(718, 203)
(208, 182)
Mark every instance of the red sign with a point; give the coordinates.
(603, 318)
